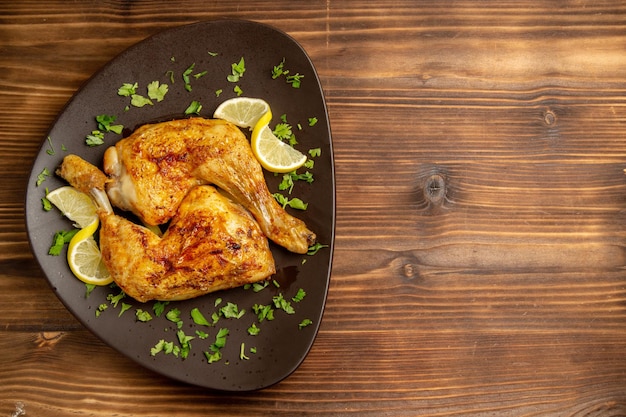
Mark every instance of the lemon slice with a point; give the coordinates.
(274, 154)
(75, 205)
(242, 111)
(85, 259)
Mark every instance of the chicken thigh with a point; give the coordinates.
(153, 169)
(212, 243)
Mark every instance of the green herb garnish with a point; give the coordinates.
(294, 203)
(231, 311)
(41, 177)
(304, 323)
(198, 317)
(285, 305)
(157, 91)
(313, 249)
(142, 315)
(237, 70)
(193, 108)
(59, 240)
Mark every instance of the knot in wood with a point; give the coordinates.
(549, 117)
(435, 189)
(408, 270)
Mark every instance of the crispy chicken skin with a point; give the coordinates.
(153, 169)
(212, 243)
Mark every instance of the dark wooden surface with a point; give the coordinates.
(481, 210)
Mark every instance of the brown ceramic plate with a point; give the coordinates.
(248, 362)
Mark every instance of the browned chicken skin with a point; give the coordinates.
(153, 169)
(211, 243)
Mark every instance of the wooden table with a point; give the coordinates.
(481, 203)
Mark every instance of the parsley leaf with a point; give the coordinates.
(279, 70)
(157, 92)
(95, 138)
(142, 315)
(59, 240)
(185, 346)
(186, 75)
(283, 131)
(127, 89)
(193, 108)
(295, 80)
(253, 330)
(313, 249)
(46, 204)
(159, 307)
(198, 317)
(174, 316)
(140, 101)
(231, 311)
(285, 305)
(125, 307)
(237, 70)
(299, 296)
(263, 312)
(304, 323)
(294, 203)
(41, 177)
(105, 124)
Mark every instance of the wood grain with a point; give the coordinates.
(481, 203)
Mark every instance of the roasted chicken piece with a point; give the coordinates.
(212, 243)
(153, 169)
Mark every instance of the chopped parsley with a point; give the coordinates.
(231, 311)
(237, 71)
(159, 307)
(294, 203)
(115, 299)
(313, 249)
(185, 345)
(105, 124)
(193, 108)
(279, 70)
(45, 203)
(295, 80)
(127, 89)
(186, 75)
(299, 296)
(125, 307)
(263, 312)
(242, 352)
(59, 240)
(95, 138)
(174, 316)
(157, 91)
(198, 317)
(304, 323)
(253, 330)
(216, 348)
(142, 315)
(283, 304)
(101, 309)
(50, 150)
(138, 100)
(41, 177)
